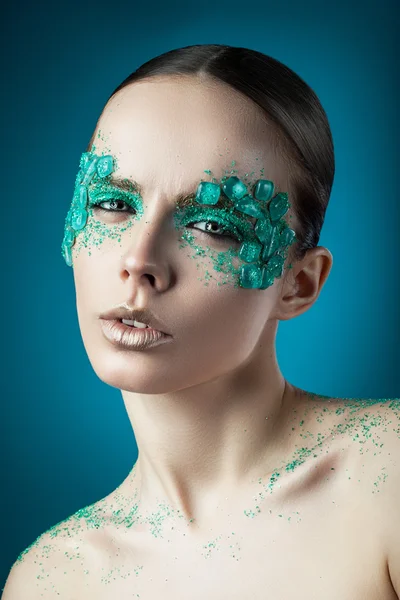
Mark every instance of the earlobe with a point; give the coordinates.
(303, 283)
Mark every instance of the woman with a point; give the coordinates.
(193, 231)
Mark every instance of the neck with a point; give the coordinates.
(208, 441)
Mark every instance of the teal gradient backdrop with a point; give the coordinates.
(66, 439)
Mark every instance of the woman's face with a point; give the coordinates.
(169, 136)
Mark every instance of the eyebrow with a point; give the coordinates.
(181, 200)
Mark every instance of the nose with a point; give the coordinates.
(145, 258)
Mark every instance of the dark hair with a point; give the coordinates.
(287, 101)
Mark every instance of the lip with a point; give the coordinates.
(124, 336)
(143, 315)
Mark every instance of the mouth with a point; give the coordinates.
(128, 336)
(138, 326)
(132, 324)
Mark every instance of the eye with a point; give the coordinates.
(209, 225)
(210, 230)
(97, 206)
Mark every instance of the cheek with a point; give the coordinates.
(93, 281)
(219, 329)
(216, 264)
(98, 238)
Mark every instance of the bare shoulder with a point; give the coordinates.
(372, 424)
(368, 430)
(363, 433)
(57, 563)
(383, 465)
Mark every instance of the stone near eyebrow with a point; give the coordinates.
(208, 193)
(264, 190)
(105, 166)
(234, 188)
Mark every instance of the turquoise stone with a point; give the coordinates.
(267, 279)
(275, 265)
(234, 188)
(250, 251)
(264, 190)
(69, 236)
(69, 216)
(85, 161)
(250, 276)
(79, 218)
(249, 206)
(67, 255)
(82, 197)
(278, 206)
(208, 193)
(90, 171)
(271, 245)
(105, 166)
(263, 229)
(287, 236)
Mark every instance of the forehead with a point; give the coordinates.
(165, 133)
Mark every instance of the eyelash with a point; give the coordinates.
(131, 210)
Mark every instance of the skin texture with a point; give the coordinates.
(242, 478)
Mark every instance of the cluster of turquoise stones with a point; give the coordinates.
(90, 166)
(265, 255)
(264, 252)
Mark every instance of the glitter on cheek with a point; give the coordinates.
(225, 262)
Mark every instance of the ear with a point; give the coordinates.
(303, 283)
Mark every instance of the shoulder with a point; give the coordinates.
(372, 424)
(367, 433)
(56, 563)
(34, 573)
(376, 463)
(387, 459)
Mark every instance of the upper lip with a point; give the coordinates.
(143, 315)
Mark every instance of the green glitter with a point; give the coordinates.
(93, 186)
(358, 425)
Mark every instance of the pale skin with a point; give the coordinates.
(211, 411)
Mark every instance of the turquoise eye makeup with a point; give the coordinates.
(93, 186)
(264, 248)
(232, 227)
(249, 223)
(226, 233)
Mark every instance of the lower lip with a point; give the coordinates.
(132, 337)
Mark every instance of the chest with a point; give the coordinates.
(317, 535)
(317, 546)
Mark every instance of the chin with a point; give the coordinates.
(128, 371)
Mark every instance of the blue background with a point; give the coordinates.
(66, 438)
